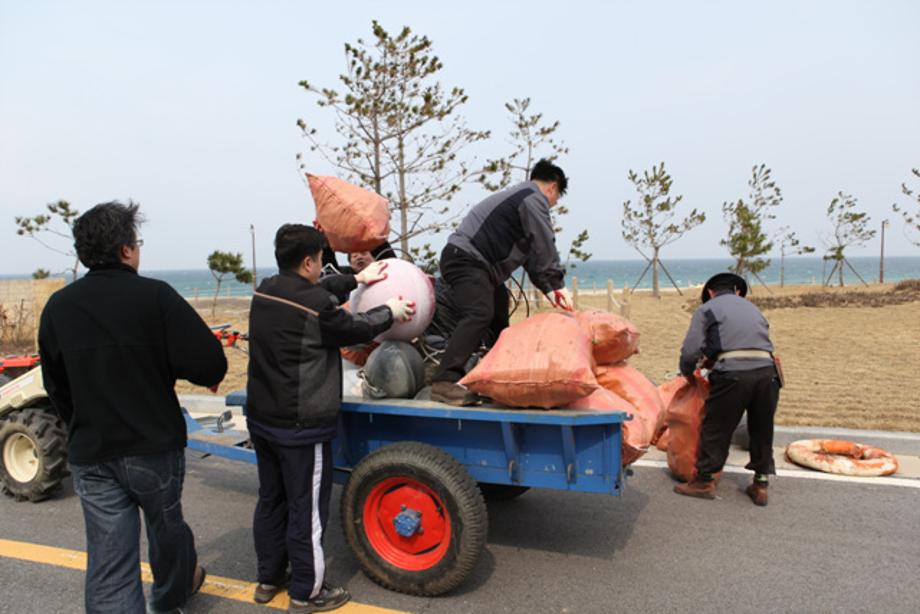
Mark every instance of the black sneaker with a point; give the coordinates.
(329, 598)
(266, 592)
(453, 394)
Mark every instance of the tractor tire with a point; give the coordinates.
(452, 521)
(501, 492)
(33, 453)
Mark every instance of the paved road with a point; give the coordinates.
(819, 547)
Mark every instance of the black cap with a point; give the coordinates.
(724, 279)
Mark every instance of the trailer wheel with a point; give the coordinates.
(33, 453)
(414, 518)
(501, 492)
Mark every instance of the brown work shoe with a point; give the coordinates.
(703, 489)
(453, 394)
(758, 493)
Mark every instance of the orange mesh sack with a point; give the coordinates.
(630, 384)
(544, 361)
(666, 391)
(603, 399)
(614, 338)
(352, 218)
(685, 418)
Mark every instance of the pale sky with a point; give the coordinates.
(189, 108)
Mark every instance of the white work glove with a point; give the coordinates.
(561, 299)
(402, 309)
(372, 274)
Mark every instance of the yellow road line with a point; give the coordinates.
(225, 588)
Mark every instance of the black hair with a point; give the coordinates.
(294, 242)
(544, 170)
(725, 284)
(100, 233)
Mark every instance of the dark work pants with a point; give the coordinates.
(111, 493)
(730, 394)
(483, 306)
(295, 486)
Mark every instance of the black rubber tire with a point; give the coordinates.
(501, 492)
(47, 434)
(441, 473)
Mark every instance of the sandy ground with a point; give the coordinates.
(855, 367)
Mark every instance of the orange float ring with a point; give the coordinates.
(842, 457)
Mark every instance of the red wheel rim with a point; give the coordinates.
(420, 551)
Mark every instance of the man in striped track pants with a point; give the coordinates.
(294, 394)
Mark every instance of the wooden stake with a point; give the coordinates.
(575, 292)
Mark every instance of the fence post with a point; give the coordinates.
(575, 292)
(612, 302)
(625, 305)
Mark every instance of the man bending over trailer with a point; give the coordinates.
(507, 230)
(294, 393)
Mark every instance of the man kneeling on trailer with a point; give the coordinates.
(294, 393)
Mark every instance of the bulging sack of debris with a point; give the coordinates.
(602, 399)
(630, 384)
(544, 361)
(395, 370)
(613, 337)
(352, 218)
(666, 391)
(405, 280)
(685, 419)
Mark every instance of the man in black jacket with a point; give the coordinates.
(507, 230)
(112, 345)
(294, 393)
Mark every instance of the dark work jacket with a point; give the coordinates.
(295, 370)
(112, 346)
(724, 323)
(513, 228)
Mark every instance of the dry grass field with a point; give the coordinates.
(845, 365)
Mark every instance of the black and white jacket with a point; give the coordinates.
(295, 370)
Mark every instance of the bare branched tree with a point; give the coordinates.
(789, 244)
(851, 229)
(911, 218)
(747, 240)
(402, 132)
(48, 224)
(531, 139)
(652, 222)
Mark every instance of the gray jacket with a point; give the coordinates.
(513, 228)
(723, 323)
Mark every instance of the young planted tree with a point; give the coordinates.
(41, 274)
(652, 222)
(851, 229)
(789, 243)
(401, 132)
(49, 224)
(222, 264)
(747, 240)
(531, 139)
(911, 218)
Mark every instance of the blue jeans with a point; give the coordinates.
(111, 493)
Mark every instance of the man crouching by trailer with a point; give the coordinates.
(294, 393)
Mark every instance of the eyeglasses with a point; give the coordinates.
(139, 243)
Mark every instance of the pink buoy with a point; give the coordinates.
(408, 281)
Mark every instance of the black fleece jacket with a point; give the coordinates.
(112, 346)
(295, 369)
